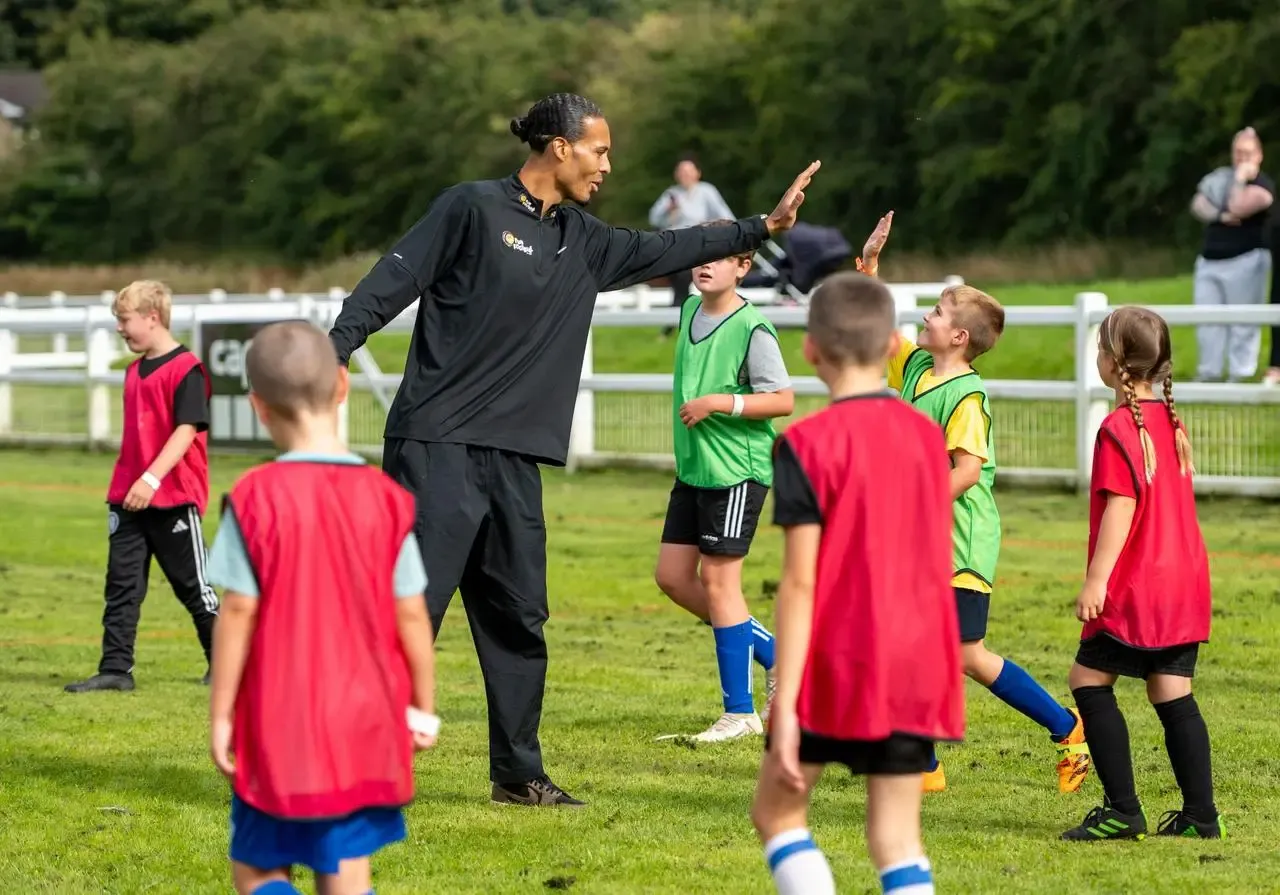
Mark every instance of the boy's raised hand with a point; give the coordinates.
(869, 262)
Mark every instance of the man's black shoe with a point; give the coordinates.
(539, 792)
(102, 682)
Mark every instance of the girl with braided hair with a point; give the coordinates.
(1145, 603)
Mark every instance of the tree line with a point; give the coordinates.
(309, 129)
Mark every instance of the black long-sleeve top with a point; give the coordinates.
(507, 298)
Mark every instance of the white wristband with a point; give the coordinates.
(151, 480)
(423, 722)
(739, 403)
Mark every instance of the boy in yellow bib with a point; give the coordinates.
(938, 378)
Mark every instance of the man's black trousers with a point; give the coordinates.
(482, 533)
(175, 538)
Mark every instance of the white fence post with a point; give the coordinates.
(333, 307)
(1089, 413)
(582, 435)
(11, 302)
(108, 298)
(905, 301)
(8, 348)
(97, 346)
(58, 300)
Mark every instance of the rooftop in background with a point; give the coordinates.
(21, 93)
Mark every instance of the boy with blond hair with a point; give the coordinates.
(324, 670)
(938, 378)
(160, 485)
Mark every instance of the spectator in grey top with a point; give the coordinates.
(689, 202)
(1234, 264)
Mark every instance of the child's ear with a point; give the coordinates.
(343, 387)
(810, 351)
(260, 409)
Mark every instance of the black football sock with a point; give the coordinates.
(1186, 737)
(1108, 737)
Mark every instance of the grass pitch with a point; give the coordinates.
(115, 793)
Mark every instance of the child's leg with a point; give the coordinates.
(1108, 735)
(731, 622)
(128, 565)
(677, 570)
(1186, 738)
(677, 576)
(1003, 678)
(177, 540)
(1015, 687)
(250, 880)
(354, 877)
(893, 834)
(780, 815)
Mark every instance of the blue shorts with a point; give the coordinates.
(267, 842)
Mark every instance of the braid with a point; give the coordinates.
(1148, 447)
(1181, 441)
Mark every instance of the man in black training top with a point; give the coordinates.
(508, 272)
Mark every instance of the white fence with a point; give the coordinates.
(68, 393)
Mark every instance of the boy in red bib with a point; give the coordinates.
(160, 486)
(322, 654)
(868, 649)
(1146, 597)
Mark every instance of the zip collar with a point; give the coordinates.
(519, 193)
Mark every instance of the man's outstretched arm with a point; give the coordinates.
(619, 257)
(403, 274)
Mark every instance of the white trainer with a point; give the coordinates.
(731, 727)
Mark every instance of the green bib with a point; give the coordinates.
(722, 450)
(975, 532)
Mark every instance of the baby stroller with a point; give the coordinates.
(812, 253)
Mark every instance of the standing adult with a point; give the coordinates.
(689, 202)
(1272, 376)
(1235, 258)
(508, 272)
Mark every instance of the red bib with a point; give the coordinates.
(320, 728)
(148, 423)
(884, 654)
(1158, 594)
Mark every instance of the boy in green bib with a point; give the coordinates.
(938, 378)
(730, 383)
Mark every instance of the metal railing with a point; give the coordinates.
(1044, 429)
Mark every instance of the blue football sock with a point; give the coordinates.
(1019, 689)
(933, 759)
(277, 887)
(733, 655)
(913, 877)
(763, 642)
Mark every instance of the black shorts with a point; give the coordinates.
(1104, 653)
(899, 753)
(972, 608)
(718, 521)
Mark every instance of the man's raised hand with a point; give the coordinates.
(783, 216)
